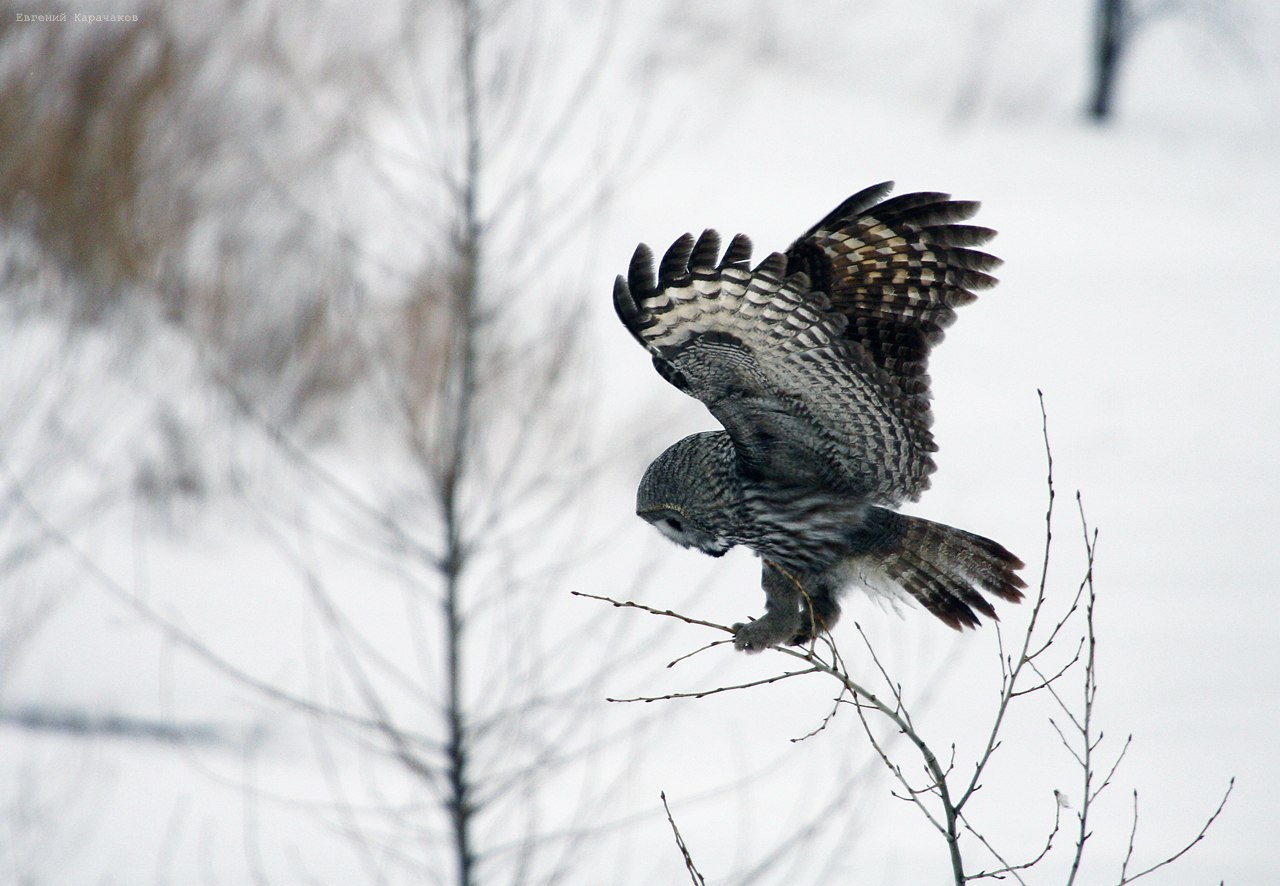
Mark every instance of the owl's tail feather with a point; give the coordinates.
(945, 568)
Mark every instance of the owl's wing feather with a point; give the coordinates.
(896, 270)
(820, 352)
(768, 356)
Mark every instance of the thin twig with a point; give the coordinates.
(1045, 682)
(937, 775)
(716, 691)
(666, 613)
(1025, 655)
(913, 794)
(1014, 869)
(895, 688)
(839, 700)
(712, 645)
(1084, 725)
(1185, 849)
(1119, 759)
(697, 878)
(173, 632)
(1133, 835)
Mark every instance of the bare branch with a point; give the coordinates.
(998, 873)
(942, 809)
(1084, 723)
(697, 878)
(1185, 849)
(182, 638)
(667, 613)
(835, 707)
(688, 655)
(704, 693)
(1045, 682)
(1014, 668)
(1133, 834)
(913, 794)
(1119, 759)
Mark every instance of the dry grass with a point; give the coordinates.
(74, 117)
(117, 155)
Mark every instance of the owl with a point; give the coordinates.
(814, 362)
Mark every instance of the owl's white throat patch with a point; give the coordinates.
(670, 531)
(676, 528)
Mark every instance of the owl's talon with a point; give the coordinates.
(804, 638)
(774, 628)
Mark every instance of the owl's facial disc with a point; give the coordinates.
(676, 526)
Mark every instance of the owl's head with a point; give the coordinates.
(690, 492)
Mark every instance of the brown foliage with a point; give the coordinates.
(73, 119)
(131, 168)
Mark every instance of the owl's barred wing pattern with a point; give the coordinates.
(769, 357)
(896, 270)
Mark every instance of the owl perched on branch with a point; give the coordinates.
(814, 363)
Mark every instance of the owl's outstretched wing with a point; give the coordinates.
(804, 404)
(896, 270)
(815, 361)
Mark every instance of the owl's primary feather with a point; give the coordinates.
(814, 361)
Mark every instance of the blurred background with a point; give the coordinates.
(313, 411)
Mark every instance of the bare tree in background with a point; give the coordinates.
(1110, 35)
(1117, 25)
(470, 747)
(479, 386)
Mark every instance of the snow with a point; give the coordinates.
(1139, 294)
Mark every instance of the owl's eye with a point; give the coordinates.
(675, 524)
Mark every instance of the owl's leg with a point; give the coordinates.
(819, 609)
(786, 613)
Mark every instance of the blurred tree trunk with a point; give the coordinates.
(461, 362)
(1109, 36)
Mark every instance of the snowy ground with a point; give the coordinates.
(1139, 294)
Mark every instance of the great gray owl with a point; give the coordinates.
(814, 363)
